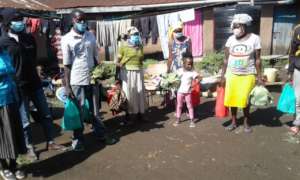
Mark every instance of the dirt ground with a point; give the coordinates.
(158, 151)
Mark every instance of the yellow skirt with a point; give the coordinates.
(237, 90)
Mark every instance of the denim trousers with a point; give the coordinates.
(87, 92)
(39, 101)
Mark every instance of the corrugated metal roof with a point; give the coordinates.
(65, 4)
(36, 5)
(60, 4)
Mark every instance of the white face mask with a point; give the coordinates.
(237, 32)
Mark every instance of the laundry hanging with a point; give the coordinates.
(107, 33)
(166, 21)
(34, 24)
(194, 30)
(148, 28)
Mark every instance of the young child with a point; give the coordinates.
(187, 75)
(118, 101)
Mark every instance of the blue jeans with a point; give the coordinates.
(86, 92)
(39, 100)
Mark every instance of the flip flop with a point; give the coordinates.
(231, 127)
(176, 123)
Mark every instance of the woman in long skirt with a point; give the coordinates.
(130, 59)
(12, 141)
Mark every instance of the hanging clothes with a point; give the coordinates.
(148, 28)
(44, 26)
(154, 29)
(163, 26)
(166, 21)
(194, 30)
(187, 15)
(34, 24)
(107, 33)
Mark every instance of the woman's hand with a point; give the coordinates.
(222, 81)
(260, 81)
(120, 64)
(289, 78)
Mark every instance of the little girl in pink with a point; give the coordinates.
(187, 75)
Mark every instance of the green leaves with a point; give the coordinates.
(211, 62)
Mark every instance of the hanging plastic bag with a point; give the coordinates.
(260, 97)
(71, 120)
(220, 110)
(196, 90)
(87, 115)
(287, 100)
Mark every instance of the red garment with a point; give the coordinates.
(194, 30)
(34, 23)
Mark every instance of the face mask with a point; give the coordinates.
(237, 32)
(17, 26)
(178, 35)
(81, 27)
(135, 40)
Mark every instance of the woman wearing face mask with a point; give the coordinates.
(130, 61)
(242, 66)
(178, 46)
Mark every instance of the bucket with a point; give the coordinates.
(271, 74)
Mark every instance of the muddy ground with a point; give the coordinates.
(158, 151)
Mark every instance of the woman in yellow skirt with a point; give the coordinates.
(241, 69)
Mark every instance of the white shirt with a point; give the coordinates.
(186, 79)
(79, 51)
(241, 59)
(15, 36)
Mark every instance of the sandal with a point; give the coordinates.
(20, 174)
(295, 130)
(7, 175)
(231, 127)
(176, 123)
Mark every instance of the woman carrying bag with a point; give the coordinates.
(242, 66)
(130, 61)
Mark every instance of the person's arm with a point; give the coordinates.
(170, 59)
(68, 89)
(292, 50)
(224, 67)
(67, 61)
(120, 56)
(190, 49)
(258, 66)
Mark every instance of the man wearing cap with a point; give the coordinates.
(22, 48)
(80, 56)
(242, 66)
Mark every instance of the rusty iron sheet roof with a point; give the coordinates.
(61, 4)
(36, 5)
(65, 4)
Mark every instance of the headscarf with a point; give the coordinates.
(241, 19)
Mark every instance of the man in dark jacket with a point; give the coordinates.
(22, 49)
